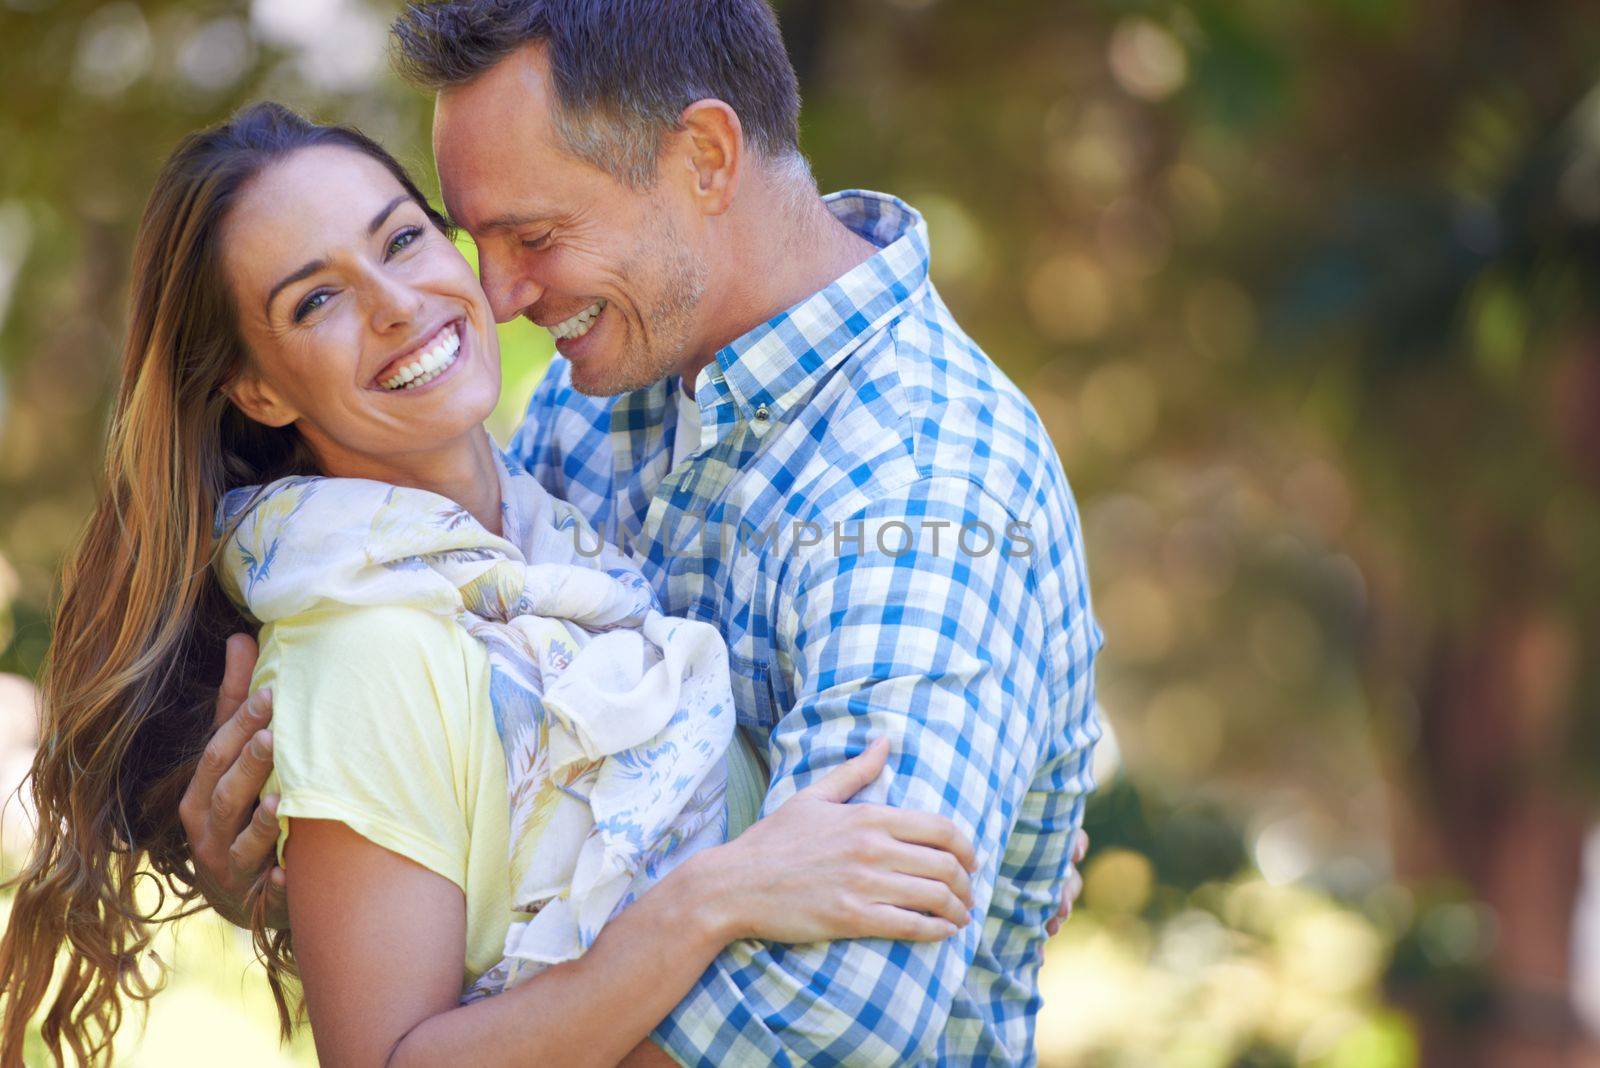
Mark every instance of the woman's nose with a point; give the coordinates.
(394, 303)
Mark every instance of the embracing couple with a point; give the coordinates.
(789, 770)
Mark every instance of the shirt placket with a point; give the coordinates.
(684, 495)
(639, 461)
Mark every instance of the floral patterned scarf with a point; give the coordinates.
(614, 717)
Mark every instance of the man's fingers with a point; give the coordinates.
(257, 843)
(1080, 846)
(225, 746)
(277, 899)
(238, 665)
(239, 785)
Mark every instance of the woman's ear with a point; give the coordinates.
(259, 401)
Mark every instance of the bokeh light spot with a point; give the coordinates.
(1146, 59)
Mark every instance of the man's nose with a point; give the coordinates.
(509, 287)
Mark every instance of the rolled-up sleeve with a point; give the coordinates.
(944, 650)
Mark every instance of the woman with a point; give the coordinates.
(299, 311)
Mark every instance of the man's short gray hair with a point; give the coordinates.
(623, 70)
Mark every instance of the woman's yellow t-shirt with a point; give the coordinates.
(381, 720)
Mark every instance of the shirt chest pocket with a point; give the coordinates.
(751, 666)
(754, 692)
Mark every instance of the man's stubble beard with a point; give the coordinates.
(670, 317)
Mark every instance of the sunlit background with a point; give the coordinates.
(1306, 295)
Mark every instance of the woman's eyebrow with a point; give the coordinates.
(316, 265)
(377, 220)
(290, 279)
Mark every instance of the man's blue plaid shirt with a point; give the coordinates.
(877, 522)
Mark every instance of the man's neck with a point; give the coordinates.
(786, 248)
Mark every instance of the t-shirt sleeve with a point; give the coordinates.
(370, 728)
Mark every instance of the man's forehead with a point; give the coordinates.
(489, 193)
(491, 159)
(513, 96)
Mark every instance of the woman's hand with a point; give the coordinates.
(1073, 886)
(819, 869)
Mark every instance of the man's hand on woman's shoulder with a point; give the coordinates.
(232, 837)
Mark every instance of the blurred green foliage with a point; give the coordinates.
(1304, 294)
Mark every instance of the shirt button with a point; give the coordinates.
(763, 413)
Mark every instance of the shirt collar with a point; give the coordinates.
(773, 366)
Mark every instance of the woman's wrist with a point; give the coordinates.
(702, 898)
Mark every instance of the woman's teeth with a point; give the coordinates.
(579, 324)
(432, 363)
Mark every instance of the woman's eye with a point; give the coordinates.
(404, 238)
(311, 304)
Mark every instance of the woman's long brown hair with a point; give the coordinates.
(136, 653)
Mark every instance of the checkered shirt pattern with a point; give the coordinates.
(877, 521)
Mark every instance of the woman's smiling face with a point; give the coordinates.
(365, 326)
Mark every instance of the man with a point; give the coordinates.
(762, 395)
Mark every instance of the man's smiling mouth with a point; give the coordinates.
(579, 324)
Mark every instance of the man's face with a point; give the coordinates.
(614, 273)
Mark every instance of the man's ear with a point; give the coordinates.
(259, 401)
(713, 144)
